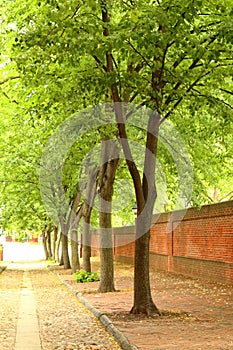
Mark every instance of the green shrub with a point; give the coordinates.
(81, 276)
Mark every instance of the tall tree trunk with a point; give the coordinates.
(106, 255)
(61, 260)
(65, 252)
(86, 244)
(67, 222)
(87, 209)
(74, 223)
(143, 302)
(109, 163)
(145, 190)
(49, 244)
(44, 241)
(75, 263)
(57, 247)
(70, 226)
(55, 234)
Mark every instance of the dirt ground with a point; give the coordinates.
(195, 314)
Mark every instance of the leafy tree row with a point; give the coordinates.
(157, 67)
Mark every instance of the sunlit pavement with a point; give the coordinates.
(24, 257)
(22, 252)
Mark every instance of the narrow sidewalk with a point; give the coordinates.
(27, 330)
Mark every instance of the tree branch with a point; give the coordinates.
(226, 196)
(213, 98)
(8, 79)
(163, 60)
(76, 10)
(123, 137)
(227, 91)
(194, 64)
(13, 101)
(182, 97)
(139, 53)
(100, 63)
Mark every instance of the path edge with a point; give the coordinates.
(3, 268)
(120, 338)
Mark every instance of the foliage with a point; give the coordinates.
(177, 61)
(82, 276)
(172, 57)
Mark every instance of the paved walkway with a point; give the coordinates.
(197, 315)
(27, 329)
(38, 312)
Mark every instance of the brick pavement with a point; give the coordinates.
(196, 315)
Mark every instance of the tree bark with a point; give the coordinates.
(68, 224)
(57, 247)
(109, 163)
(88, 206)
(49, 245)
(44, 241)
(65, 252)
(75, 263)
(106, 256)
(86, 245)
(55, 234)
(145, 190)
(143, 302)
(61, 260)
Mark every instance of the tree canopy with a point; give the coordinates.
(173, 59)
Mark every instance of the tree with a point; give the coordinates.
(173, 75)
(176, 60)
(108, 167)
(89, 198)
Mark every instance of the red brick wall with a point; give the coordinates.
(199, 245)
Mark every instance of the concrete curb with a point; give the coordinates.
(120, 338)
(3, 268)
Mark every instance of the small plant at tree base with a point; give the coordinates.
(51, 261)
(81, 276)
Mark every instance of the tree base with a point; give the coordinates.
(106, 290)
(145, 310)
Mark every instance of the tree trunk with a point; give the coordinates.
(65, 252)
(57, 247)
(61, 260)
(86, 245)
(74, 223)
(49, 244)
(145, 190)
(143, 302)
(106, 256)
(75, 263)
(44, 241)
(88, 206)
(109, 163)
(55, 234)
